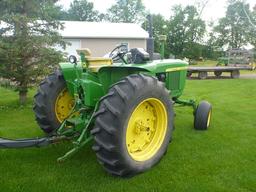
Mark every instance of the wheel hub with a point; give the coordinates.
(141, 126)
(146, 129)
(63, 105)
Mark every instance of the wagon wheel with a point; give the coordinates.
(202, 75)
(235, 74)
(217, 73)
(189, 73)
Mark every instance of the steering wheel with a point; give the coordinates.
(118, 53)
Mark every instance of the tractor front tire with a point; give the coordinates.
(133, 125)
(52, 102)
(202, 116)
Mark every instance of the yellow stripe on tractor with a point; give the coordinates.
(176, 69)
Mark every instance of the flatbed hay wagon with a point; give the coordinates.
(203, 72)
(235, 61)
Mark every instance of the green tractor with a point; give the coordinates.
(236, 57)
(125, 108)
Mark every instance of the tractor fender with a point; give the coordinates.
(111, 74)
(70, 72)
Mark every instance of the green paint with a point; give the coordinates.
(95, 85)
(69, 72)
(110, 75)
(162, 39)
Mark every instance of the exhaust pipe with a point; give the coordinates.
(150, 40)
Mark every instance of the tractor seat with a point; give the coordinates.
(94, 63)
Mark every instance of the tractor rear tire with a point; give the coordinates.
(48, 93)
(203, 115)
(133, 125)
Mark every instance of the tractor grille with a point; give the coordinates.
(174, 80)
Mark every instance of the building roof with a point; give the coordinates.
(81, 29)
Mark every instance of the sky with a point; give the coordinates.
(214, 9)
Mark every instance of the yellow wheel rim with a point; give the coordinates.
(209, 118)
(63, 105)
(146, 129)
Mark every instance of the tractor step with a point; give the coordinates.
(25, 143)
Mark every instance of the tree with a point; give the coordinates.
(252, 20)
(61, 14)
(82, 10)
(126, 11)
(28, 31)
(186, 29)
(234, 30)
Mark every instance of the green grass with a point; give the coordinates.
(220, 159)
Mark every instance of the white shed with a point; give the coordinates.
(102, 37)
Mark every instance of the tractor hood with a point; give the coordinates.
(157, 66)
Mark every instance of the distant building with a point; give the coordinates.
(101, 38)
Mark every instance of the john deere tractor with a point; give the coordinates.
(125, 108)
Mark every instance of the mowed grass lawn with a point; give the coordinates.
(220, 159)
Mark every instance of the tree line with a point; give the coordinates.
(28, 31)
(186, 30)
